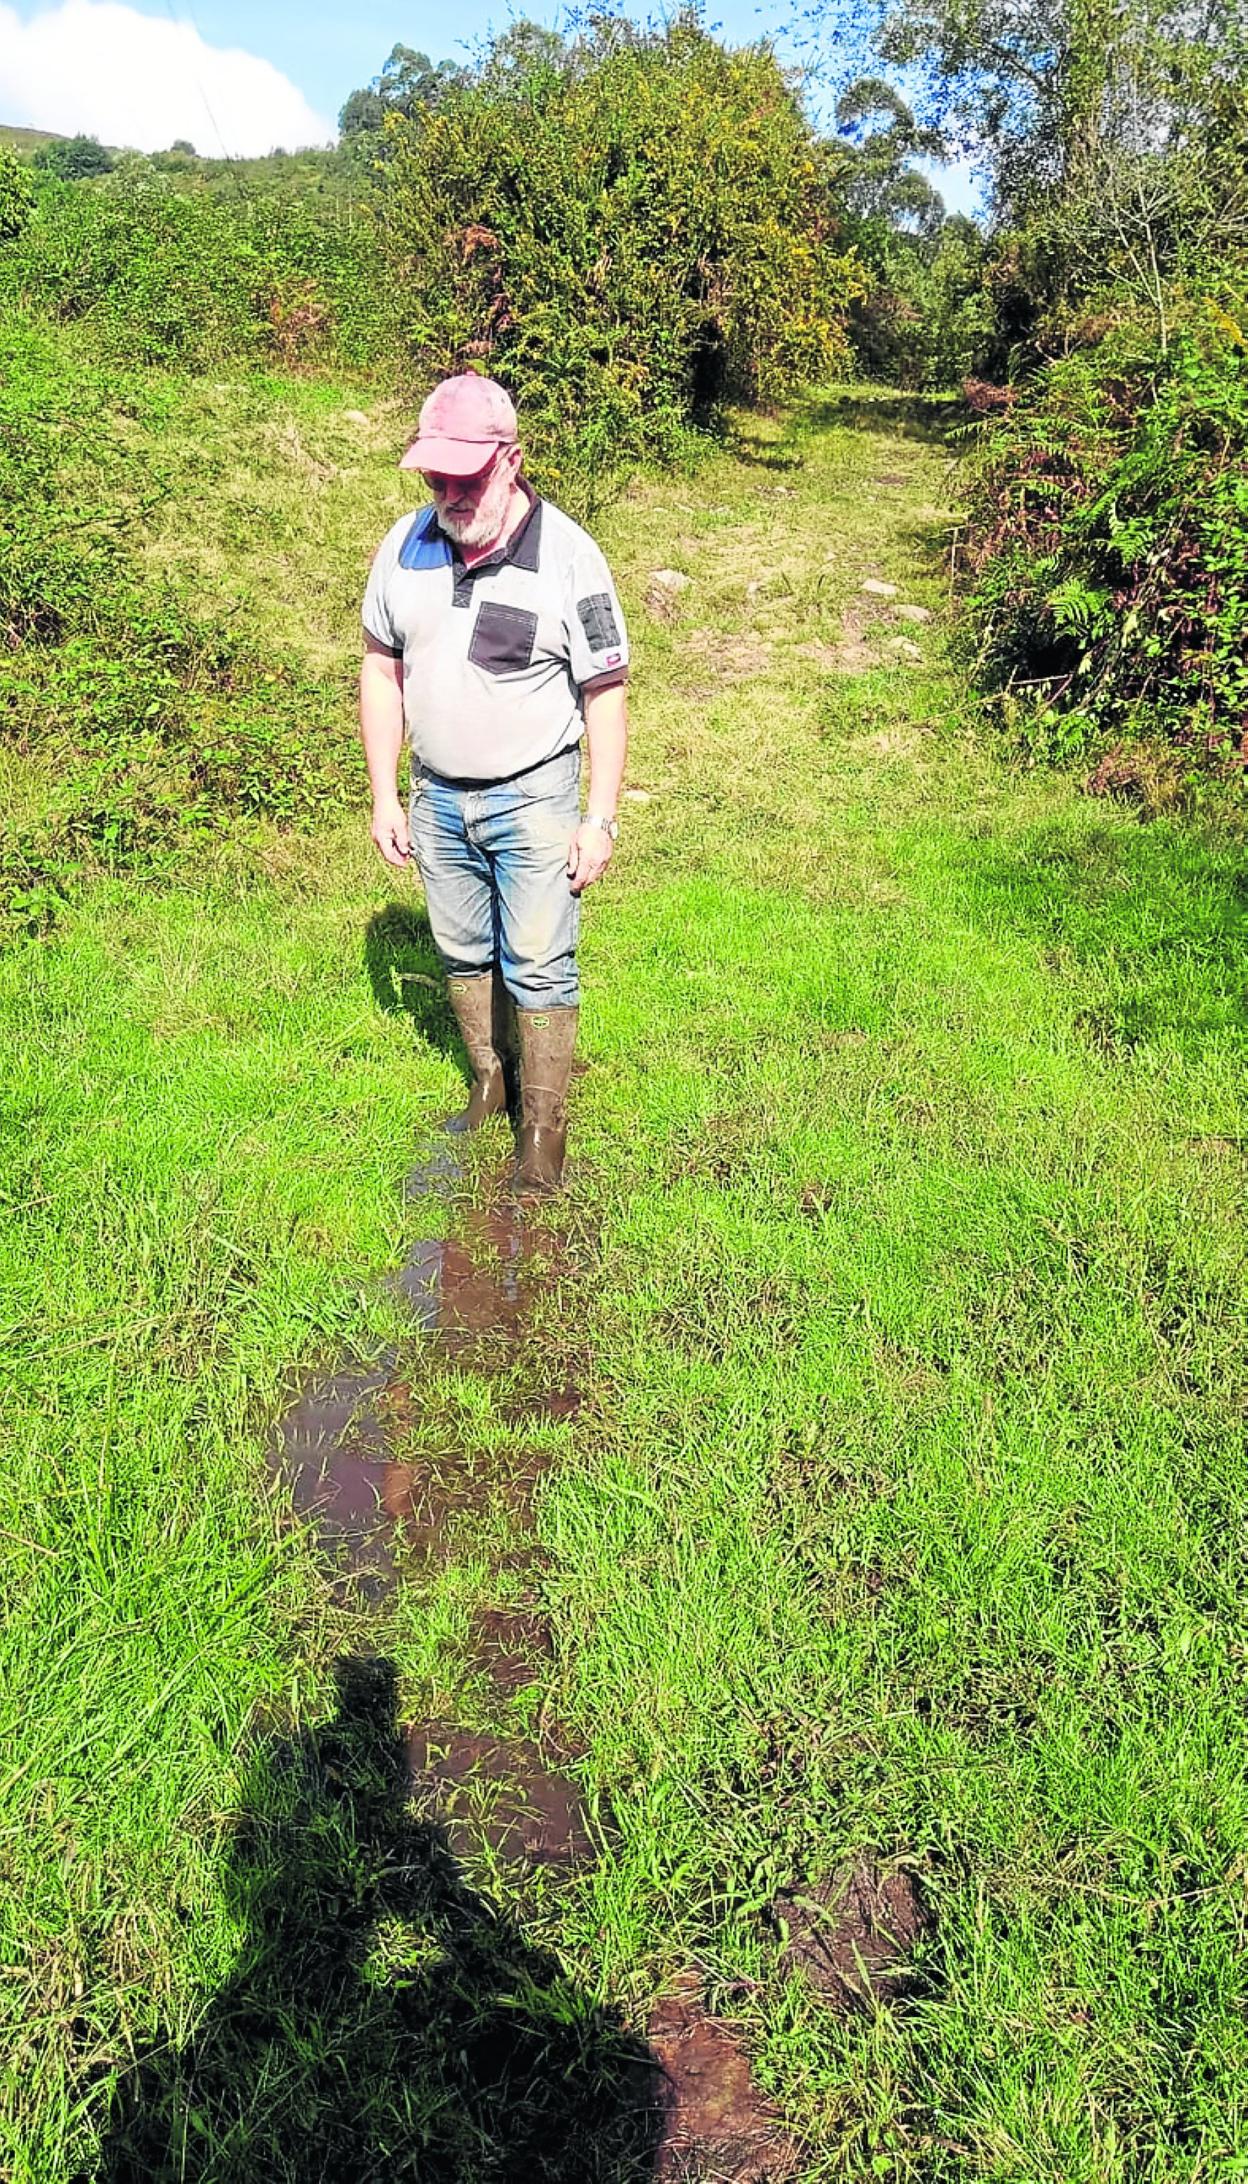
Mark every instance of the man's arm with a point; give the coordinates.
(606, 732)
(381, 732)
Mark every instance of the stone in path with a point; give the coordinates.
(878, 588)
(663, 592)
(913, 614)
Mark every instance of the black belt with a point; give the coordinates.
(493, 781)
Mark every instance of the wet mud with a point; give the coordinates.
(851, 1937)
(343, 1448)
(344, 1451)
(715, 2122)
(513, 1646)
(498, 1791)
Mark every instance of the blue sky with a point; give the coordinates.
(253, 75)
(328, 48)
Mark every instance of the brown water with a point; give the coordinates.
(344, 1452)
(499, 1790)
(337, 1452)
(340, 1448)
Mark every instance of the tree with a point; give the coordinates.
(408, 81)
(75, 159)
(523, 49)
(878, 140)
(1038, 88)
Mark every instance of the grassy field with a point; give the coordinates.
(902, 1525)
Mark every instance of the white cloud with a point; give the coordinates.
(97, 68)
(960, 184)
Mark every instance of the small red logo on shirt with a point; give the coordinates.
(612, 659)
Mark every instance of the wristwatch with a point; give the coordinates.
(610, 827)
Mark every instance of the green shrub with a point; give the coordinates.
(17, 196)
(159, 276)
(75, 158)
(927, 320)
(1110, 549)
(626, 240)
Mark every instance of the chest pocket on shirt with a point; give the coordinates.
(502, 638)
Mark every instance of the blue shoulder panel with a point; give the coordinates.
(425, 547)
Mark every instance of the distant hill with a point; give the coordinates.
(314, 172)
(26, 141)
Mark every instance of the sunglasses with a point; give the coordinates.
(474, 484)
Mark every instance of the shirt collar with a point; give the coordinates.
(521, 549)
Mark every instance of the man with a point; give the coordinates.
(492, 631)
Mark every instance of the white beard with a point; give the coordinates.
(485, 523)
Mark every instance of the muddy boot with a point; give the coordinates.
(474, 1004)
(506, 1045)
(547, 1040)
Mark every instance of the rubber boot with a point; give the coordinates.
(506, 1044)
(547, 1041)
(476, 1009)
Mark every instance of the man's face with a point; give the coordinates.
(473, 510)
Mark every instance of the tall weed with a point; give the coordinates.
(157, 275)
(1109, 551)
(154, 718)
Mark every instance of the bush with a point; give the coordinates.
(74, 158)
(927, 321)
(1109, 549)
(627, 240)
(17, 196)
(158, 276)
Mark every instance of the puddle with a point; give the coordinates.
(498, 1790)
(467, 1289)
(336, 1451)
(333, 1453)
(716, 2124)
(513, 1647)
(336, 1447)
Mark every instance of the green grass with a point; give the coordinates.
(906, 1511)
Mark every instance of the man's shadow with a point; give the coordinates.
(406, 976)
(383, 2021)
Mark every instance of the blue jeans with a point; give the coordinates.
(494, 862)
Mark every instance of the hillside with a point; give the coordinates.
(833, 1527)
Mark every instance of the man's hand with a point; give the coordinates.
(390, 832)
(589, 854)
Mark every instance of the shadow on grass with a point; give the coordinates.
(405, 974)
(384, 2022)
(919, 416)
(755, 452)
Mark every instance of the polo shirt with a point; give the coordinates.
(495, 657)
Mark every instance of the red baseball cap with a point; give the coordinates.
(462, 423)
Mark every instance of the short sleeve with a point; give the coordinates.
(593, 617)
(376, 616)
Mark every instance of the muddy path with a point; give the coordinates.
(343, 1454)
(383, 1508)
